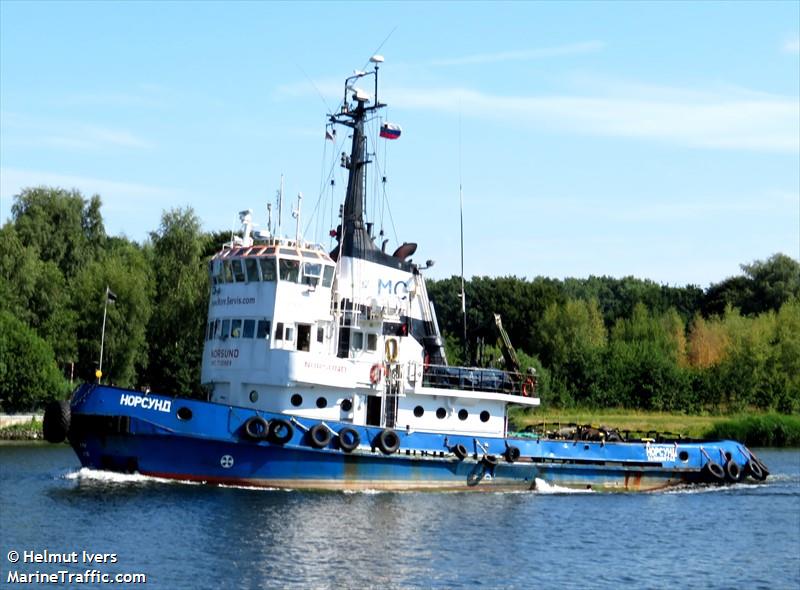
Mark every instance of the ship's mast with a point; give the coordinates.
(352, 235)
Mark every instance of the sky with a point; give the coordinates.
(659, 140)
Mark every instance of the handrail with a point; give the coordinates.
(472, 379)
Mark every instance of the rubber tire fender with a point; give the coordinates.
(714, 471)
(490, 460)
(319, 436)
(754, 469)
(256, 428)
(276, 427)
(348, 446)
(56, 421)
(388, 441)
(512, 453)
(733, 471)
(460, 451)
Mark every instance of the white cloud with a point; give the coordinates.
(733, 120)
(792, 45)
(522, 55)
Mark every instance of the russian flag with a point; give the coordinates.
(390, 131)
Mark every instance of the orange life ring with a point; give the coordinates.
(528, 387)
(375, 374)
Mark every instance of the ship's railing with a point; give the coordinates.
(471, 379)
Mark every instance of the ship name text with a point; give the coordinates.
(145, 402)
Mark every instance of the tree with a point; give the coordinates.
(35, 292)
(60, 225)
(28, 374)
(572, 341)
(765, 286)
(177, 326)
(124, 269)
(644, 362)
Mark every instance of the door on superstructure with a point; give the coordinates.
(373, 410)
(303, 337)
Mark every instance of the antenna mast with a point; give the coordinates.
(280, 207)
(461, 213)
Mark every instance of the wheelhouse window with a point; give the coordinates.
(251, 266)
(238, 271)
(249, 328)
(312, 271)
(289, 269)
(357, 340)
(217, 273)
(226, 326)
(320, 334)
(262, 330)
(327, 276)
(236, 328)
(227, 271)
(267, 268)
(372, 342)
(279, 331)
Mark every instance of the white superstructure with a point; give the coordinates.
(348, 335)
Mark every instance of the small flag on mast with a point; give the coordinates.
(390, 131)
(330, 134)
(110, 295)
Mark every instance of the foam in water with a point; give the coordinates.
(542, 487)
(86, 474)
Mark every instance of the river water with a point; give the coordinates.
(195, 536)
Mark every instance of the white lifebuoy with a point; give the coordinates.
(375, 374)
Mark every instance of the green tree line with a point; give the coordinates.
(56, 262)
(606, 342)
(600, 341)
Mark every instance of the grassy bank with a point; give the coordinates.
(29, 431)
(766, 430)
(752, 429)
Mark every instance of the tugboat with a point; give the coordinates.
(327, 370)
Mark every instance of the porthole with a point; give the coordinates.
(322, 402)
(346, 405)
(184, 413)
(485, 416)
(683, 456)
(297, 399)
(254, 396)
(441, 413)
(419, 411)
(462, 414)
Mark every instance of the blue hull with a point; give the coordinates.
(122, 430)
